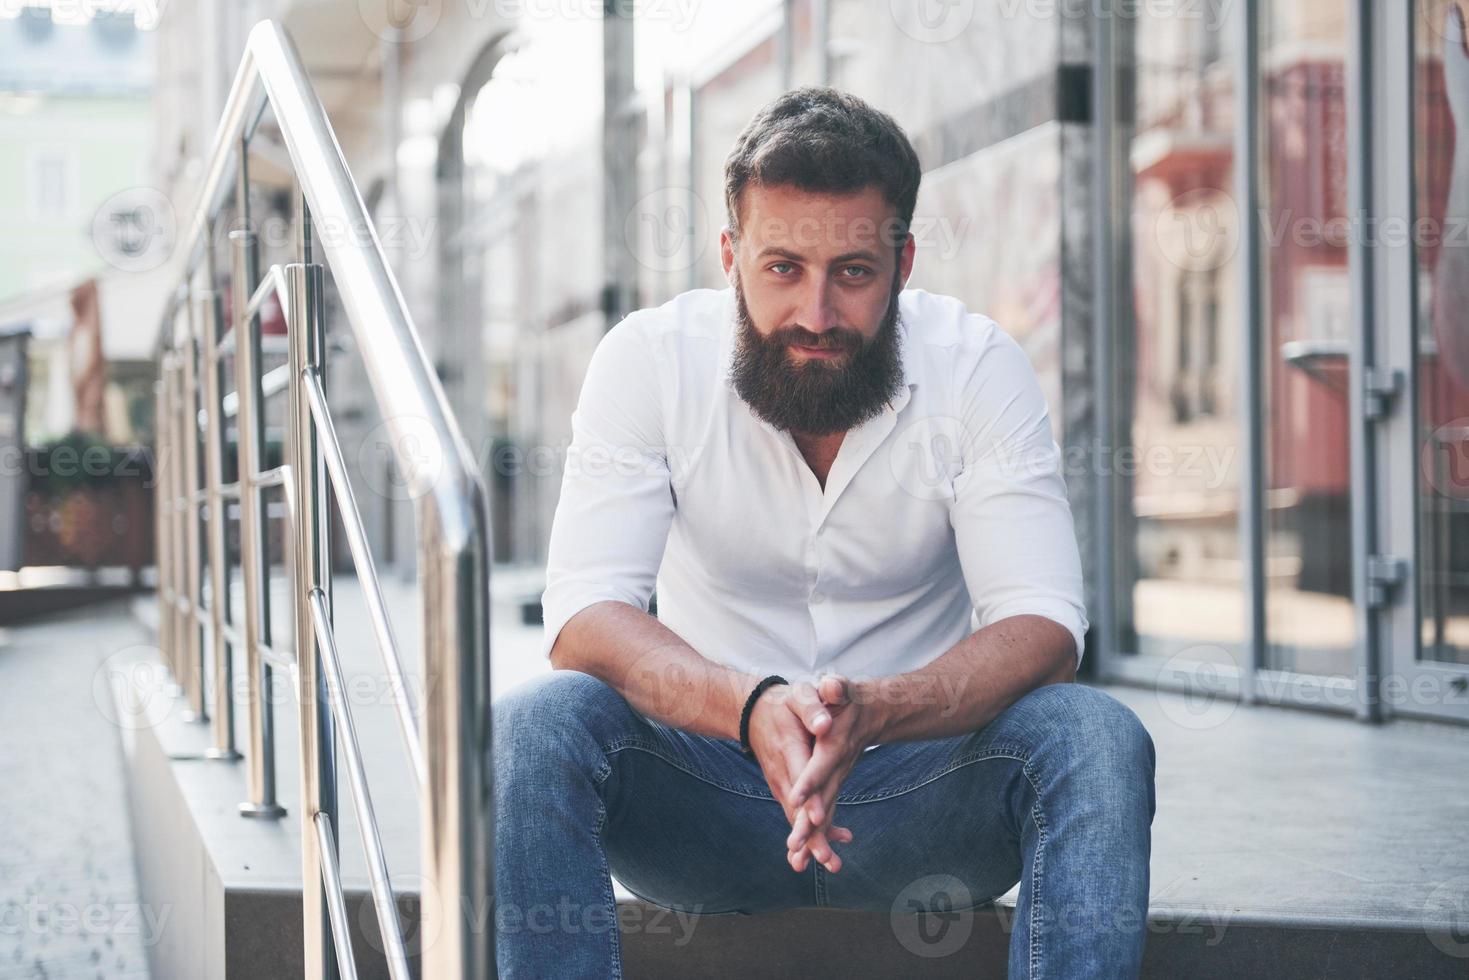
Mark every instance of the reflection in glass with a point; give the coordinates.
(1177, 473)
(1305, 301)
(1442, 178)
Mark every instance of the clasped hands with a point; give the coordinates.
(806, 738)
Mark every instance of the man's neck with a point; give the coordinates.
(820, 451)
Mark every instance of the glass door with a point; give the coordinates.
(1435, 661)
(1306, 342)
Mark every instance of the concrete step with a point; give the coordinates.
(1287, 844)
(234, 886)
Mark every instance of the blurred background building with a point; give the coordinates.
(1264, 427)
(76, 270)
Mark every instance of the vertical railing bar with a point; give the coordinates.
(180, 517)
(313, 571)
(206, 302)
(329, 880)
(367, 826)
(163, 502)
(177, 533)
(405, 706)
(261, 801)
(188, 385)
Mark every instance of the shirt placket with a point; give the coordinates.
(813, 500)
(818, 603)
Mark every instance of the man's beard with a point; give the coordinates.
(816, 396)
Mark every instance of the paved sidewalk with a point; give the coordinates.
(68, 891)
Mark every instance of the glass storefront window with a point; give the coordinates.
(1305, 338)
(1177, 469)
(1441, 103)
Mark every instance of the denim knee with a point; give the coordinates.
(553, 716)
(1102, 734)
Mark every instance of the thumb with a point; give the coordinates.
(808, 705)
(835, 690)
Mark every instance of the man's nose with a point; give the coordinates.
(816, 313)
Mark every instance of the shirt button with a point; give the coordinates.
(817, 598)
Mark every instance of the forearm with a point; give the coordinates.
(975, 680)
(659, 674)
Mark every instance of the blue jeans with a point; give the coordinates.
(1055, 793)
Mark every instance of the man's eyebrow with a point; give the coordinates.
(860, 255)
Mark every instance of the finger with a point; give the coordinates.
(803, 830)
(815, 808)
(821, 808)
(797, 756)
(807, 704)
(826, 757)
(798, 858)
(800, 830)
(812, 844)
(818, 847)
(834, 690)
(822, 851)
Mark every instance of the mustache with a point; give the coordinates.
(837, 338)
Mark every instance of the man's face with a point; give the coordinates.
(816, 281)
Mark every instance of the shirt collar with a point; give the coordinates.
(905, 341)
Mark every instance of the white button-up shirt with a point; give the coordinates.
(943, 514)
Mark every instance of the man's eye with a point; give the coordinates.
(861, 271)
(776, 268)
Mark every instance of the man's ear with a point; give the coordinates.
(905, 260)
(727, 252)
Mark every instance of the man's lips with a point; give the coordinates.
(821, 353)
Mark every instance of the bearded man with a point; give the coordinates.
(859, 687)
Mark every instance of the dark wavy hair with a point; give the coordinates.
(822, 140)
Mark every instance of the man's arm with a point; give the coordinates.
(654, 669)
(967, 687)
(1017, 546)
(1012, 522)
(607, 540)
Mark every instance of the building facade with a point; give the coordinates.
(1175, 207)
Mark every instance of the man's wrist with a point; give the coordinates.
(877, 711)
(741, 687)
(755, 696)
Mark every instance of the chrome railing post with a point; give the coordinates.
(207, 304)
(179, 514)
(249, 423)
(163, 513)
(178, 628)
(458, 859)
(313, 576)
(193, 667)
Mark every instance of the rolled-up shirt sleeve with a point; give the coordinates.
(1012, 522)
(616, 504)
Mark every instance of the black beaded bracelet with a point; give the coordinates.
(750, 707)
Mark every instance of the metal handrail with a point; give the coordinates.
(447, 737)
